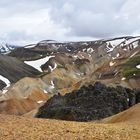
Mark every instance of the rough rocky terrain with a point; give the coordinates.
(89, 103)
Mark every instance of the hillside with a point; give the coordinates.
(94, 81)
(130, 116)
(13, 70)
(39, 71)
(53, 129)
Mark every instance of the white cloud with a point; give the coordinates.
(97, 18)
(27, 21)
(30, 27)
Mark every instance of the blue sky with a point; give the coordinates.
(29, 21)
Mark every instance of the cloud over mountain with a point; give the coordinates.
(30, 21)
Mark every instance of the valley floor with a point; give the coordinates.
(124, 126)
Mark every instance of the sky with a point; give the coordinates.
(30, 21)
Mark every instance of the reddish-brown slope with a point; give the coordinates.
(21, 128)
(17, 107)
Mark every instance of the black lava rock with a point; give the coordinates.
(89, 103)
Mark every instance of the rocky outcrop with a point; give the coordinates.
(89, 103)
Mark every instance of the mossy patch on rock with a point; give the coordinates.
(129, 68)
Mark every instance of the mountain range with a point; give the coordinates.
(75, 81)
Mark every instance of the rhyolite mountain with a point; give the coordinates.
(101, 59)
(96, 81)
(48, 47)
(39, 71)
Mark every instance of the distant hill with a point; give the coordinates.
(13, 69)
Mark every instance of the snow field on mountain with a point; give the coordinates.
(37, 63)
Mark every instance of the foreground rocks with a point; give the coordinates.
(89, 103)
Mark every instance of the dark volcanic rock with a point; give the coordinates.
(89, 103)
(2, 85)
(26, 54)
(14, 70)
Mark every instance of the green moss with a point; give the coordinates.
(129, 68)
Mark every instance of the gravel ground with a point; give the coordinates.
(22, 128)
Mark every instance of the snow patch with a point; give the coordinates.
(37, 63)
(90, 50)
(110, 48)
(30, 46)
(127, 42)
(138, 66)
(125, 49)
(118, 55)
(39, 102)
(123, 79)
(84, 50)
(68, 49)
(52, 83)
(55, 65)
(45, 91)
(135, 44)
(116, 42)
